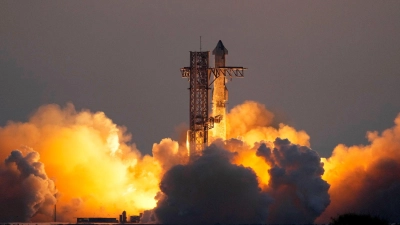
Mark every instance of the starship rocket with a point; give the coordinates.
(219, 94)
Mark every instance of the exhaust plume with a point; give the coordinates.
(366, 179)
(251, 123)
(300, 195)
(261, 174)
(169, 153)
(25, 188)
(211, 190)
(96, 171)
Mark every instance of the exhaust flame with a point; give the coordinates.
(113, 141)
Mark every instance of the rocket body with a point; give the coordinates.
(219, 95)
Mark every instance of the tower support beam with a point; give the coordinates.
(198, 75)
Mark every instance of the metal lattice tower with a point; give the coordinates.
(199, 74)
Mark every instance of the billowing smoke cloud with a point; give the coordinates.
(95, 169)
(366, 179)
(254, 177)
(97, 172)
(362, 179)
(251, 123)
(25, 188)
(169, 153)
(300, 195)
(211, 190)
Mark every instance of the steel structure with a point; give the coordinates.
(199, 123)
(201, 77)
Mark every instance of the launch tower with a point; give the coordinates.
(199, 122)
(201, 77)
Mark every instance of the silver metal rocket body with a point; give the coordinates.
(219, 94)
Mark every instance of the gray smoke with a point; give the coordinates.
(381, 193)
(365, 179)
(374, 191)
(300, 195)
(211, 190)
(25, 189)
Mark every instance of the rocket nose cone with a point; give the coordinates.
(220, 44)
(220, 49)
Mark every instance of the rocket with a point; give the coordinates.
(219, 94)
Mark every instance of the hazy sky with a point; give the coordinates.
(331, 68)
